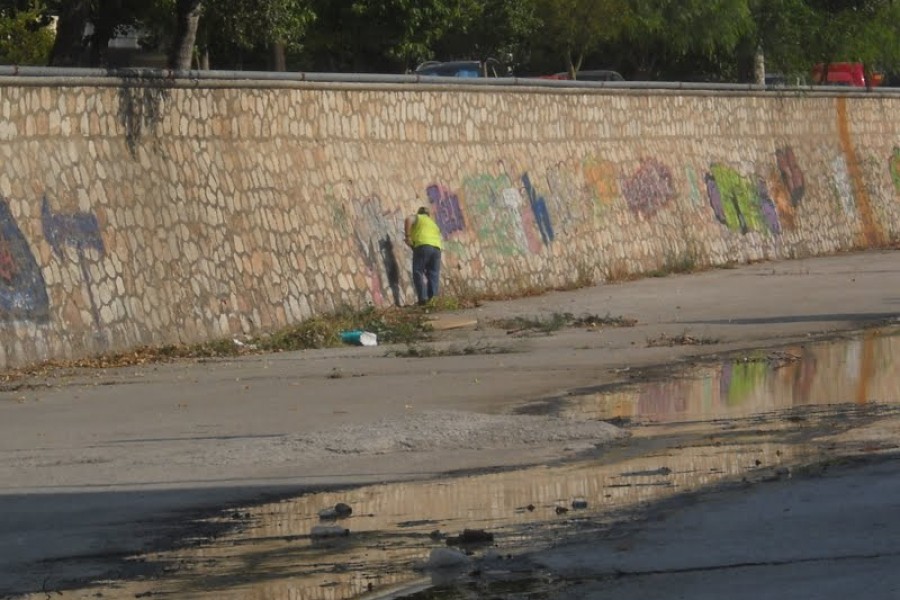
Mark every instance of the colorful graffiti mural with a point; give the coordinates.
(446, 209)
(649, 188)
(23, 292)
(494, 205)
(738, 203)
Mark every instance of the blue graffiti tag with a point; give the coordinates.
(23, 291)
(539, 208)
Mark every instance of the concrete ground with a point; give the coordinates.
(97, 465)
(829, 537)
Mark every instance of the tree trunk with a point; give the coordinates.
(759, 66)
(279, 61)
(182, 53)
(68, 49)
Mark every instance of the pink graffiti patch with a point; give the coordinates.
(791, 174)
(650, 188)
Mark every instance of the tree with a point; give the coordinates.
(501, 29)
(279, 25)
(388, 35)
(866, 31)
(25, 38)
(69, 48)
(576, 27)
(85, 27)
(187, 19)
(661, 30)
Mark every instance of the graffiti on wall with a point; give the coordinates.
(791, 174)
(894, 168)
(516, 196)
(494, 205)
(373, 232)
(571, 207)
(446, 209)
(601, 179)
(784, 208)
(842, 187)
(23, 292)
(740, 204)
(649, 188)
(79, 231)
(538, 205)
(693, 186)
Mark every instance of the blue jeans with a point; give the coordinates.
(426, 272)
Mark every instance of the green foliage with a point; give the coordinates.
(500, 29)
(249, 23)
(24, 37)
(714, 40)
(575, 27)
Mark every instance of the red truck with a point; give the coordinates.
(844, 73)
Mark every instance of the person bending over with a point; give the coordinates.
(423, 235)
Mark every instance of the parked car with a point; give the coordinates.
(591, 75)
(461, 68)
(598, 75)
(844, 73)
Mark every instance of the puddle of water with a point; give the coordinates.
(862, 371)
(742, 419)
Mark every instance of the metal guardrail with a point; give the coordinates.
(79, 76)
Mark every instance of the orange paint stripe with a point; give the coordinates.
(871, 234)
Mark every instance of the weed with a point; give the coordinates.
(679, 340)
(686, 262)
(547, 325)
(775, 359)
(593, 321)
(583, 278)
(618, 272)
(557, 321)
(418, 351)
(392, 325)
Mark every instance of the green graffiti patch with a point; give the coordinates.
(740, 202)
(499, 224)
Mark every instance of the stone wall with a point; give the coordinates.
(135, 214)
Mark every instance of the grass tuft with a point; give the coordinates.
(679, 340)
(420, 351)
(557, 321)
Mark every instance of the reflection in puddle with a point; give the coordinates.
(860, 371)
(744, 419)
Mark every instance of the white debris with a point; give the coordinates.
(447, 558)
